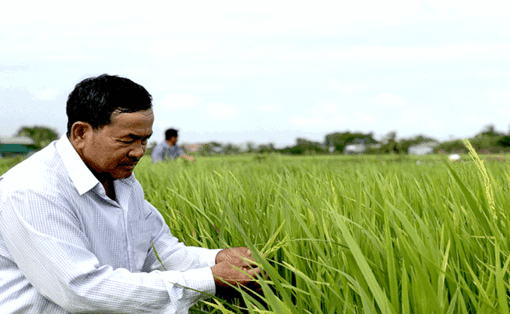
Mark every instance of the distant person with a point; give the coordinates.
(168, 149)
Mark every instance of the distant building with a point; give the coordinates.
(218, 149)
(355, 149)
(360, 146)
(23, 140)
(15, 146)
(422, 148)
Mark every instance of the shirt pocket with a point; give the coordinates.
(141, 239)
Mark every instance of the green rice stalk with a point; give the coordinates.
(486, 180)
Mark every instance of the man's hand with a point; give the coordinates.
(187, 157)
(235, 267)
(234, 253)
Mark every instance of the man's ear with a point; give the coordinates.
(80, 133)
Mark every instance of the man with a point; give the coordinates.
(77, 235)
(168, 148)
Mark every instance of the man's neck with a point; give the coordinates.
(109, 189)
(107, 182)
(170, 143)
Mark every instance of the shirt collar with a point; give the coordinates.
(82, 177)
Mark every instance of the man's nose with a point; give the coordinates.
(138, 152)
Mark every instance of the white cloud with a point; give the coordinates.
(296, 55)
(334, 84)
(269, 108)
(257, 52)
(417, 119)
(220, 111)
(181, 47)
(318, 121)
(46, 94)
(471, 8)
(499, 97)
(327, 108)
(231, 49)
(391, 100)
(177, 101)
(236, 17)
(458, 51)
(361, 116)
(330, 116)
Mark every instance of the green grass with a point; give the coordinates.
(7, 163)
(348, 234)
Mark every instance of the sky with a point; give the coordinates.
(266, 71)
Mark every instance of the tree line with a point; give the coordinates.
(488, 140)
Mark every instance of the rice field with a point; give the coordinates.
(348, 234)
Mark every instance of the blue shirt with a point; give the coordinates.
(162, 151)
(65, 246)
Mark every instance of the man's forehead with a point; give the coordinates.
(118, 114)
(132, 123)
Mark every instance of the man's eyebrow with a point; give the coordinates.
(134, 136)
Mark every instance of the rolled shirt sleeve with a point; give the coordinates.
(178, 259)
(180, 286)
(180, 152)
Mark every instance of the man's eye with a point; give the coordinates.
(127, 142)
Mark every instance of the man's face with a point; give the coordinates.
(114, 150)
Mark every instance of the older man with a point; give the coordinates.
(77, 235)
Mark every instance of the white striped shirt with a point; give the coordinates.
(66, 247)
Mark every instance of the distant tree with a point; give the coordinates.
(250, 147)
(211, 148)
(504, 141)
(390, 137)
(231, 149)
(389, 143)
(454, 146)
(489, 131)
(487, 140)
(304, 147)
(305, 142)
(269, 148)
(41, 135)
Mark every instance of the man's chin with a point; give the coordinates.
(122, 174)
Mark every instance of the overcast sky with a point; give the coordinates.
(266, 71)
